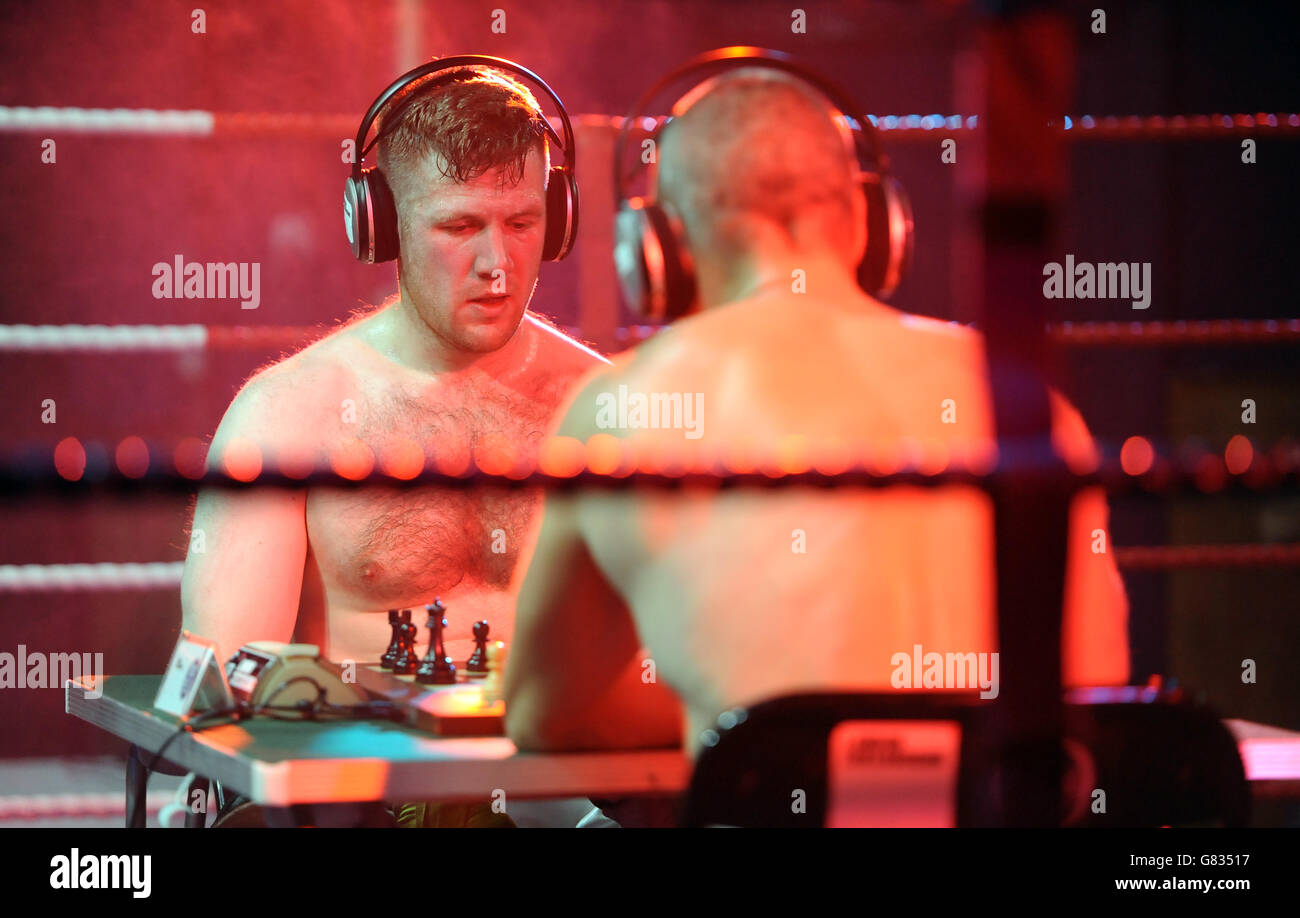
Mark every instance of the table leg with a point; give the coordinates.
(137, 788)
(197, 820)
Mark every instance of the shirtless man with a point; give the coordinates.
(739, 596)
(447, 369)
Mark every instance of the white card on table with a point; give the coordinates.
(194, 679)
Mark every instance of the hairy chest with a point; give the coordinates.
(387, 545)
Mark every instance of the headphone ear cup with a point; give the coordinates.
(678, 268)
(370, 217)
(383, 216)
(629, 257)
(654, 268)
(561, 214)
(354, 223)
(889, 236)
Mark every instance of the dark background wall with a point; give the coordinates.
(80, 238)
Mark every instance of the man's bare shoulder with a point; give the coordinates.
(939, 328)
(561, 353)
(282, 402)
(577, 413)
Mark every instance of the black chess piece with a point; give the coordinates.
(477, 663)
(437, 668)
(395, 619)
(408, 658)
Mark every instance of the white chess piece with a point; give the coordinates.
(494, 684)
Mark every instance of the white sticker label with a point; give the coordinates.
(893, 774)
(181, 683)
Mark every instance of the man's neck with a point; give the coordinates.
(408, 340)
(819, 275)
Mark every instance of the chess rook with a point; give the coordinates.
(395, 618)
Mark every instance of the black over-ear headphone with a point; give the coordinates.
(654, 266)
(369, 214)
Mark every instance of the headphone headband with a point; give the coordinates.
(369, 211)
(451, 63)
(752, 56)
(652, 255)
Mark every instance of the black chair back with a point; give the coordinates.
(1155, 758)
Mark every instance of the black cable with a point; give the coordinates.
(307, 709)
(189, 726)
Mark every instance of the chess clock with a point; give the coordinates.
(269, 672)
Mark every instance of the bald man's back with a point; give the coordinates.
(748, 594)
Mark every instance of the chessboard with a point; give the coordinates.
(464, 708)
(437, 696)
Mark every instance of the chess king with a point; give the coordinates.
(454, 368)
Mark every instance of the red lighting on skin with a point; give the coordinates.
(604, 454)
(132, 457)
(402, 459)
(296, 461)
(352, 459)
(792, 455)
(934, 457)
(452, 458)
(886, 459)
(1239, 454)
(833, 457)
(495, 455)
(1082, 459)
(1136, 456)
(739, 457)
(562, 457)
(242, 459)
(657, 456)
(982, 459)
(70, 459)
(190, 458)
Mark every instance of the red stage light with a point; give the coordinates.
(1136, 456)
(70, 459)
(1239, 454)
(132, 457)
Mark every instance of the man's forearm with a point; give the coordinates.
(243, 577)
(629, 714)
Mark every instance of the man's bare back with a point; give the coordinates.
(742, 595)
(345, 401)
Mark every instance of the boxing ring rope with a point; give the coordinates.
(904, 128)
(197, 337)
(28, 578)
(162, 575)
(1174, 557)
(605, 462)
(81, 338)
(73, 467)
(105, 805)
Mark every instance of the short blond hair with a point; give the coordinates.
(475, 119)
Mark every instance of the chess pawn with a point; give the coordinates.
(395, 619)
(408, 658)
(494, 685)
(477, 665)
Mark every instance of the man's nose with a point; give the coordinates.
(492, 255)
